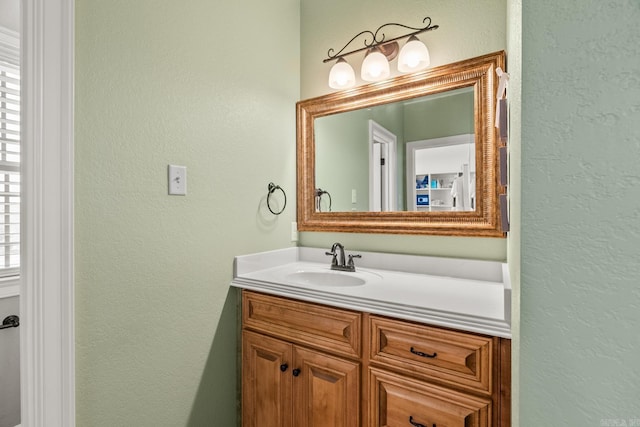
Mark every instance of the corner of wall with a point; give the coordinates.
(514, 68)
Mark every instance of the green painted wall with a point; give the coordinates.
(161, 82)
(342, 165)
(467, 29)
(155, 84)
(342, 155)
(452, 115)
(580, 291)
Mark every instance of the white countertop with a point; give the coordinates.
(469, 295)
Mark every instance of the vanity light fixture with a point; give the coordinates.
(342, 75)
(375, 66)
(414, 56)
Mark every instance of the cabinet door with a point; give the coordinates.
(266, 381)
(397, 401)
(326, 390)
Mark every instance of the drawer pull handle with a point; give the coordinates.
(296, 372)
(284, 367)
(421, 354)
(413, 423)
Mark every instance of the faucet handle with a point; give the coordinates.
(334, 260)
(351, 257)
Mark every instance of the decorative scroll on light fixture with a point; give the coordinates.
(414, 56)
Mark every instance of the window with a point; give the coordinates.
(9, 153)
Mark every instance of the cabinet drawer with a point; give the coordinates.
(400, 401)
(443, 356)
(334, 330)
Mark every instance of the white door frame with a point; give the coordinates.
(377, 133)
(46, 298)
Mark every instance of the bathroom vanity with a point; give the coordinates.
(404, 340)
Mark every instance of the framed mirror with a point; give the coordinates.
(416, 154)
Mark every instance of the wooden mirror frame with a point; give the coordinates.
(480, 73)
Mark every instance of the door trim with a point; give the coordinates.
(379, 133)
(47, 296)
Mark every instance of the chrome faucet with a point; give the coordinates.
(342, 264)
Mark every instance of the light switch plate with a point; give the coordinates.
(177, 180)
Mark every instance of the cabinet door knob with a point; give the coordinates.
(296, 372)
(284, 367)
(421, 354)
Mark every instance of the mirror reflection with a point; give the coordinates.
(413, 155)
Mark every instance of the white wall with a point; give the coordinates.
(9, 366)
(445, 159)
(10, 14)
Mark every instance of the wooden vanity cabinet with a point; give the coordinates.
(306, 364)
(397, 400)
(300, 364)
(422, 375)
(285, 385)
(266, 384)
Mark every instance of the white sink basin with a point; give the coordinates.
(326, 278)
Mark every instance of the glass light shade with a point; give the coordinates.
(375, 67)
(341, 75)
(414, 56)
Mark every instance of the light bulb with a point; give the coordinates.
(375, 66)
(341, 75)
(414, 56)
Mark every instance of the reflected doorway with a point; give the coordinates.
(382, 169)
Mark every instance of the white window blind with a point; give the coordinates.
(9, 153)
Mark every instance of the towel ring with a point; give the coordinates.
(272, 187)
(319, 193)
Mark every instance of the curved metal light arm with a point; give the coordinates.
(378, 38)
